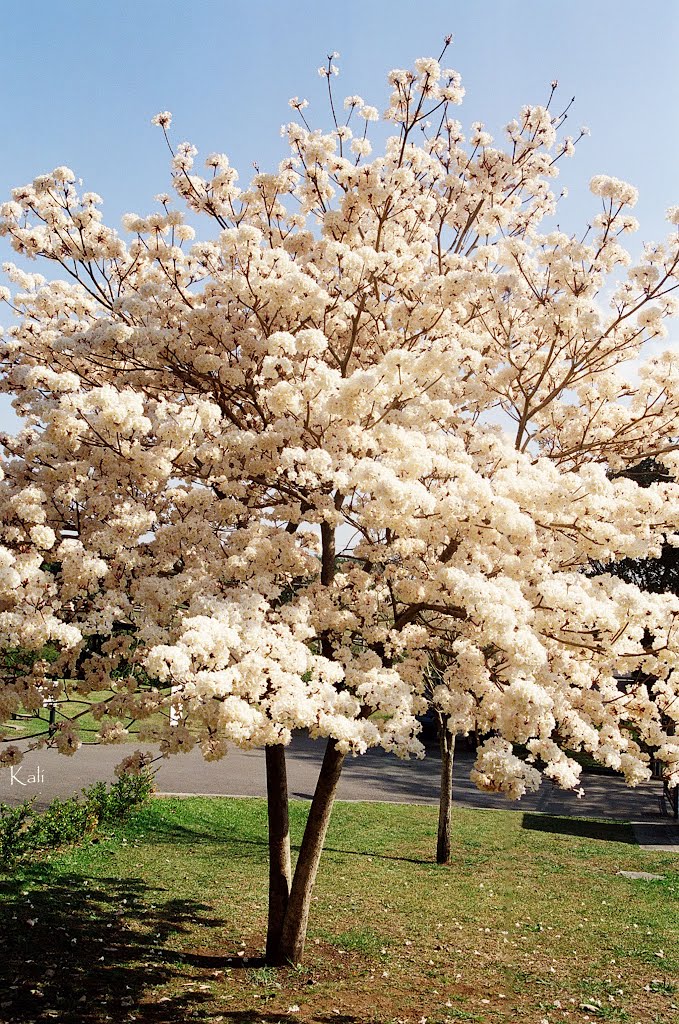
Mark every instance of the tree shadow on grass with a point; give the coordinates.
(235, 844)
(94, 950)
(89, 950)
(587, 828)
(230, 839)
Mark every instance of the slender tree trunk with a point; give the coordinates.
(279, 846)
(447, 744)
(297, 916)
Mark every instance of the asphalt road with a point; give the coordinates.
(45, 774)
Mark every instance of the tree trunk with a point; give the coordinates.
(297, 916)
(447, 744)
(279, 846)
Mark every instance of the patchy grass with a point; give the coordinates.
(165, 923)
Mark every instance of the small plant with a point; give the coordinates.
(662, 985)
(299, 969)
(614, 1013)
(359, 940)
(13, 830)
(266, 977)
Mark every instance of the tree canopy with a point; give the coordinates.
(398, 359)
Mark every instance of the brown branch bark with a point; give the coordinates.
(280, 870)
(293, 936)
(447, 744)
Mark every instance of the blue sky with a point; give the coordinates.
(82, 79)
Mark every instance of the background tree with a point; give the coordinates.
(660, 575)
(211, 424)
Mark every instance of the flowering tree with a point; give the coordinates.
(372, 424)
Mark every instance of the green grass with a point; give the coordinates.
(360, 940)
(267, 977)
(79, 711)
(166, 922)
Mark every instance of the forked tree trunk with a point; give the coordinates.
(279, 846)
(293, 936)
(447, 744)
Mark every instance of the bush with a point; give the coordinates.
(64, 821)
(70, 821)
(13, 831)
(121, 799)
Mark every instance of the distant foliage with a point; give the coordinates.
(657, 575)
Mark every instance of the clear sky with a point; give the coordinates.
(81, 80)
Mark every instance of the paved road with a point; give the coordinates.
(374, 776)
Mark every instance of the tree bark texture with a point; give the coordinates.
(447, 744)
(293, 936)
(280, 871)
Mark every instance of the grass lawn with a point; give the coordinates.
(165, 923)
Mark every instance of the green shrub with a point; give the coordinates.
(124, 796)
(13, 831)
(65, 822)
(22, 658)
